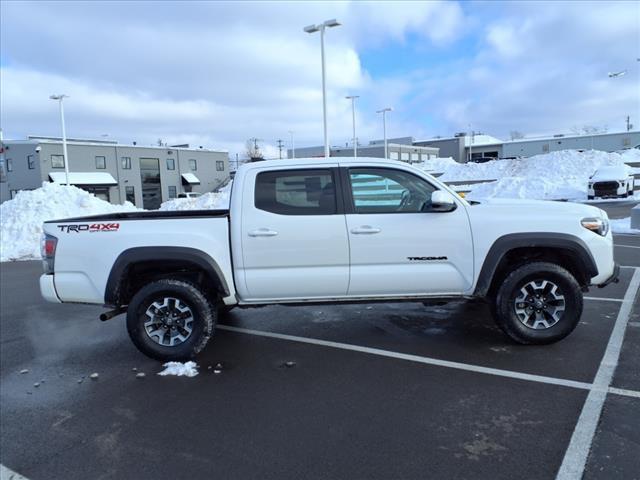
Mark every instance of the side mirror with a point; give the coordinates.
(442, 201)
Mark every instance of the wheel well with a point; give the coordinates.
(566, 258)
(138, 274)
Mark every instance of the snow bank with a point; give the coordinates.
(623, 225)
(21, 218)
(206, 201)
(187, 369)
(556, 175)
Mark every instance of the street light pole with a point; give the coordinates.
(353, 119)
(384, 128)
(321, 28)
(293, 145)
(65, 157)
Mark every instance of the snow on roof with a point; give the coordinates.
(84, 178)
(190, 178)
(481, 140)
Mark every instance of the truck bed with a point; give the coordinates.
(146, 215)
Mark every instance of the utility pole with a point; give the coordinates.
(384, 128)
(629, 126)
(321, 28)
(280, 145)
(353, 120)
(59, 98)
(293, 145)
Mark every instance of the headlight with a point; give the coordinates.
(597, 225)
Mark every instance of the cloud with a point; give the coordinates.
(217, 73)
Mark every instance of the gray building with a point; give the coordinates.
(144, 176)
(462, 147)
(402, 149)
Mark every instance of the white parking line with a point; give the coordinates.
(415, 358)
(575, 457)
(8, 474)
(605, 299)
(624, 392)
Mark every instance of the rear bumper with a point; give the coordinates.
(48, 289)
(614, 278)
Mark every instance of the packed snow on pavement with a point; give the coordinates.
(206, 201)
(551, 176)
(21, 218)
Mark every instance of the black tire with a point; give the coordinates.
(590, 197)
(513, 324)
(202, 315)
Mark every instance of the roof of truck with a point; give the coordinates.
(289, 162)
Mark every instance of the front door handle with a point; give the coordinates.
(365, 230)
(263, 232)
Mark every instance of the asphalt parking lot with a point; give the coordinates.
(354, 391)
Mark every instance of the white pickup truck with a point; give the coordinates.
(328, 231)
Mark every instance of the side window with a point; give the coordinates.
(172, 191)
(171, 164)
(9, 165)
(131, 194)
(296, 192)
(30, 163)
(57, 161)
(101, 163)
(126, 163)
(219, 165)
(385, 190)
(193, 164)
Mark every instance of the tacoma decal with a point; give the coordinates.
(423, 259)
(90, 227)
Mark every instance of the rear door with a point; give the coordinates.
(294, 237)
(399, 246)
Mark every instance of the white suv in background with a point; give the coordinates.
(612, 181)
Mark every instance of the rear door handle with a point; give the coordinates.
(263, 232)
(365, 230)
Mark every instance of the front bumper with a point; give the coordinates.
(614, 278)
(48, 289)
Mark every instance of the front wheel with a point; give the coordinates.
(538, 303)
(170, 320)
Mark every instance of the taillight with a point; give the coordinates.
(48, 251)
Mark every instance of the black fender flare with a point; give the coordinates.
(558, 241)
(135, 255)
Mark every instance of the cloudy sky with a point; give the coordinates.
(217, 73)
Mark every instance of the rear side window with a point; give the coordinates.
(296, 192)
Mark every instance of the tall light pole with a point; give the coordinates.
(293, 145)
(384, 127)
(353, 119)
(60, 98)
(321, 28)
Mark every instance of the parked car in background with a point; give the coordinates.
(612, 181)
(189, 195)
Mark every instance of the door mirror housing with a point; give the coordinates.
(442, 201)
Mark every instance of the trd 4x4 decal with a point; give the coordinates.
(90, 227)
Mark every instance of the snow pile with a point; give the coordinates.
(207, 201)
(187, 369)
(556, 175)
(623, 225)
(22, 217)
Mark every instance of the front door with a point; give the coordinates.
(294, 238)
(151, 186)
(398, 245)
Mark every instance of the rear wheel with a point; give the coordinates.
(538, 303)
(170, 320)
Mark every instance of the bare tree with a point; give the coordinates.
(516, 135)
(253, 150)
